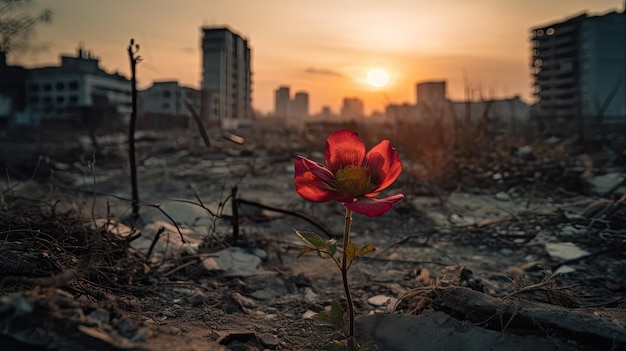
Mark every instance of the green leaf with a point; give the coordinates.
(331, 245)
(312, 239)
(334, 317)
(335, 345)
(365, 250)
(366, 346)
(305, 250)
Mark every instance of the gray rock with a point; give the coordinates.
(502, 196)
(268, 340)
(379, 300)
(233, 262)
(438, 331)
(565, 251)
(604, 183)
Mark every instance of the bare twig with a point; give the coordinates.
(133, 48)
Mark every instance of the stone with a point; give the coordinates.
(234, 262)
(308, 314)
(268, 340)
(379, 300)
(438, 331)
(603, 183)
(502, 196)
(565, 251)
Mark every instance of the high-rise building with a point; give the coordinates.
(579, 70)
(282, 101)
(352, 108)
(300, 104)
(164, 106)
(66, 93)
(429, 93)
(226, 86)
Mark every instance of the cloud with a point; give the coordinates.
(323, 71)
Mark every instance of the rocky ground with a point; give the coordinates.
(503, 252)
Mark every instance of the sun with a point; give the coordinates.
(377, 77)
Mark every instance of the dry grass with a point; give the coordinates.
(63, 249)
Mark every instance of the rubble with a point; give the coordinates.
(496, 220)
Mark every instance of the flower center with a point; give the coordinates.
(353, 181)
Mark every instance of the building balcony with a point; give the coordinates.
(559, 103)
(555, 41)
(561, 82)
(556, 94)
(547, 74)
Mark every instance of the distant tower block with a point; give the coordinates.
(301, 104)
(431, 93)
(226, 77)
(282, 101)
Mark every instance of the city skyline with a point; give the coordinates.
(322, 47)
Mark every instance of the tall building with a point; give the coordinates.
(12, 92)
(352, 108)
(300, 104)
(282, 101)
(163, 106)
(70, 92)
(433, 106)
(431, 92)
(226, 86)
(579, 70)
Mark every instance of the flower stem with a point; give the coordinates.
(344, 275)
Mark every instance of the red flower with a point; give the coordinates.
(351, 176)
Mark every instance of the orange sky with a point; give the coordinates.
(324, 47)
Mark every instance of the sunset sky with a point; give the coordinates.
(325, 47)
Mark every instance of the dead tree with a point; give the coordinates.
(133, 48)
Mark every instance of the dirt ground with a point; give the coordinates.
(77, 274)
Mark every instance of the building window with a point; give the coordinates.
(73, 99)
(566, 66)
(47, 100)
(166, 94)
(60, 86)
(47, 87)
(166, 106)
(73, 85)
(34, 99)
(33, 87)
(60, 99)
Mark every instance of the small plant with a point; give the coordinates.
(352, 177)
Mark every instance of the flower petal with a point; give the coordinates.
(313, 181)
(318, 170)
(383, 164)
(343, 148)
(373, 207)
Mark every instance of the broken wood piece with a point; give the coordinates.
(597, 328)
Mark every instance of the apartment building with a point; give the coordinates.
(579, 71)
(300, 104)
(226, 86)
(59, 94)
(282, 101)
(163, 105)
(433, 105)
(352, 108)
